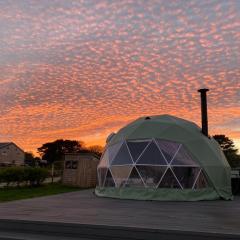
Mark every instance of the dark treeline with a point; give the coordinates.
(54, 151)
(229, 149)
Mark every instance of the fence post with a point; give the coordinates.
(52, 171)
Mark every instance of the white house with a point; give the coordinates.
(11, 154)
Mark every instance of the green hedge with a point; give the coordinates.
(18, 175)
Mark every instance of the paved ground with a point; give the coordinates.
(84, 208)
(24, 236)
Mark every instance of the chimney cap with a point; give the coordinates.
(203, 90)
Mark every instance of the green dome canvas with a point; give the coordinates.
(163, 158)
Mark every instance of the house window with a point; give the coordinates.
(74, 164)
(71, 164)
(68, 164)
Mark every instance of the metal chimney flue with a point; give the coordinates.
(203, 93)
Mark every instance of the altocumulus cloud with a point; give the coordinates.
(81, 69)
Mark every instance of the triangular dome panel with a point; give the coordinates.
(104, 162)
(151, 175)
(113, 150)
(169, 180)
(201, 182)
(109, 182)
(134, 179)
(168, 148)
(121, 174)
(102, 175)
(183, 158)
(152, 156)
(136, 148)
(186, 175)
(123, 156)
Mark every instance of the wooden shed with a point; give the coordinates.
(80, 169)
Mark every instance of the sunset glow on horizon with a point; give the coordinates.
(83, 69)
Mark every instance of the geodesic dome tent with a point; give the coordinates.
(163, 158)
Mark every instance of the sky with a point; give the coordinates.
(83, 69)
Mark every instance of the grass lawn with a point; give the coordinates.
(16, 193)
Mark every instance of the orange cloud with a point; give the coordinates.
(82, 69)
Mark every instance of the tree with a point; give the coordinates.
(54, 151)
(96, 149)
(31, 160)
(229, 149)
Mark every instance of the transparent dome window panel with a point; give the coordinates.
(186, 175)
(134, 179)
(136, 148)
(121, 174)
(113, 150)
(152, 156)
(101, 176)
(168, 148)
(109, 182)
(182, 157)
(201, 181)
(169, 180)
(123, 156)
(151, 175)
(104, 159)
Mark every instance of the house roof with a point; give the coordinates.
(82, 153)
(5, 144)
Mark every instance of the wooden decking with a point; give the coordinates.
(83, 207)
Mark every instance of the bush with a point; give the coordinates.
(17, 175)
(1, 176)
(12, 175)
(35, 176)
